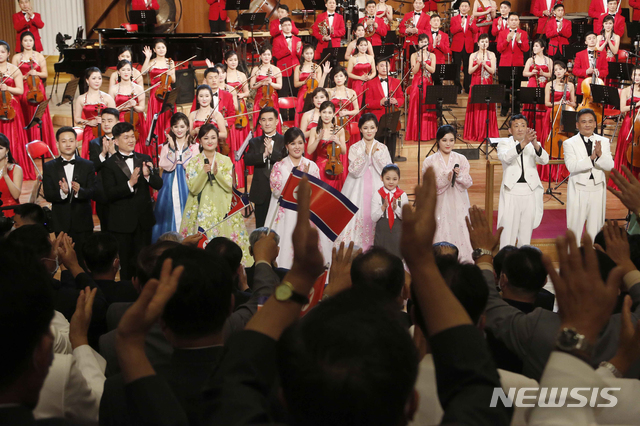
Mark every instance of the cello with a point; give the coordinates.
(557, 135)
(34, 94)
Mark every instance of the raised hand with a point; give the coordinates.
(419, 224)
(307, 259)
(81, 319)
(340, 272)
(628, 190)
(480, 232)
(617, 245)
(64, 186)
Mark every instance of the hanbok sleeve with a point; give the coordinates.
(314, 170)
(357, 160)
(381, 157)
(167, 159)
(196, 177)
(224, 177)
(277, 179)
(463, 180)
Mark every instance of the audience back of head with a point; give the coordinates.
(380, 270)
(29, 214)
(148, 258)
(100, 252)
(31, 237)
(444, 248)
(525, 271)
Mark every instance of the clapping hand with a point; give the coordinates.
(617, 244)
(628, 191)
(81, 319)
(340, 272)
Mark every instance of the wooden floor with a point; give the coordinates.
(415, 156)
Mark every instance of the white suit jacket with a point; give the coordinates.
(512, 170)
(579, 164)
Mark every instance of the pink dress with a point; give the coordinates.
(302, 92)
(155, 105)
(256, 105)
(89, 112)
(541, 110)
(476, 115)
(359, 69)
(28, 109)
(453, 202)
(14, 130)
(235, 139)
(141, 146)
(429, 124)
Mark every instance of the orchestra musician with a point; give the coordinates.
(608, 41)
(238, 86)
(265, 78)
(125, 55)
(614, 12)
(385, 12)
(33, 64)
(513, 43)
(558, 31)
(543, 9)
(625, 135)
(275, 27)
(484, 13)
(538, 70)
(358, 33)
(310, 118)
(305, 73)
(145, 5)
(374, 27)
(328, 29)
(320, 141)
(89, 106)
(414, 23)
(287, 49)
(360, 69)
(27, 20)
(225, 100)
(198, 117)
(123, 94)
(423, 65)
(342, 96)
(158, 69)
(438, 43)
(217, 16)
(463, 29)
(597, 8)
(502, 23)
(586, 63)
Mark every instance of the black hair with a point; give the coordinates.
(441, 246)
(467, 2)
(367, 116)
(486, 36)
(175, 118)
(265, 47)
(99, 251)
(390, 168)
(379, 269)
(517, 117)
(605, 263)
(120, 128)
(230, 252)
(359, 24)
(111, 111)
(524, 269)
(200, 88)
(498, 259)
(560, 64)
(266, 110)
(5, 45)
(304, 49)
(588, 34)
(557, 6)
(283, 7)
(292, 134)
(443, 131)
(148, 257)
(514, 14)
(220, 67)
(435, 15)
(369, 2)
(124, 49)
(65, 129)
(26, 34)
(361, 40)
(340, 69)
(586, 111)
(91, 70)
(230, 54)
(158, 41)
(32, 212)
(508, 3)
(209, 71)
(202, 301)
(323, 106)
(122, 63)
(206, 128)
(34, 238)
(5, 143)
(634, 249)
(347, 355)
(285, 19)
(541, 42)
(608, 18)
(423, 37)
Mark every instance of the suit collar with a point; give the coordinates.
(122, 165)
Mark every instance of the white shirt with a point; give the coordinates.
(377, 203)
(27, 18)
(215, 100)
(288, 40)
(416, 18)
(385, 86)
(129, 163)
(515, 36)
(68, 172)
(266, 156)
(463, 21)
(330, 19)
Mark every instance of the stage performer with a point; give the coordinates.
(439, 41)
(303, 74)
(619, 21)
(88, 107)
(608, 40)
(262, 153)
(625, 134)
(635, 5)
(558, 31)
(126, 55)
(586, 63)
(263, 78)
(463, 29)
(210, 182)
(311, 118)
(413, 24)
(123, 94)
(521, 206)
(360, 69)
(127, 178)
(358, 33)
(538, 70)
(563, 91)
(367, 158)
(502, 23)
(386, 210)
(33, 65)
(482, 67)
(145, 5)
(275, 27)
(11, 177)
(543, 9)
(384, 12)
(204, 110)
(222, 100)
(284, 220)
(155, 67)
(484, 13)
(328, 29)
(320, 144)
(287, 49)
(513, 43)
(587, 156)
(172, 197)
(374, 27)
(452, 180)
(238, 86)
(217, 16)
(423, 65)
(27, 20)
(341, 96)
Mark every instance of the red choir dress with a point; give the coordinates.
(382, 14)
(476, 115)
(48, 135)
(155, 105)
(235, 139)
(610, 58)
(89, 112)
(6, 197)
(359, 69)
(141, 146)
(541, 110)
(256, 105)
(624, 139)
(14, 130)
(302, 92)
(429, 124)
(558, 172)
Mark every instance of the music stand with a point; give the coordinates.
(533, 96)
(510, 75)
(69, 94)
(487, 94)
(605, 95)
(387, 127)
(37, 117)
(238, 5)
(145, 19)
(620, 71)
(571, 50)
(335, 54)
(445, 72)
(384, 51)
(438, 96)
(318, 5)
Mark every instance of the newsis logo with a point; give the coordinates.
(555, 397)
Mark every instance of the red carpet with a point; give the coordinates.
(554, 223)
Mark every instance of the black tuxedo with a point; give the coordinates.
(260, 193)
(130, 212)
(95, 149)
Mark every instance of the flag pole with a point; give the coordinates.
(273, 219)
(223, 220)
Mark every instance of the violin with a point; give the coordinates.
(97, 131)
(130, 116)
(242, 121)
(34, 94)
(587, 99)
(165, 83)
(312, 83)
(557, 136)
(267, 93)
(7, 113)
(342, 120)
(223, 146)
(633, 151)
(334, 166)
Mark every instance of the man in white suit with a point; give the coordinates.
(520, 208)
(587, 156)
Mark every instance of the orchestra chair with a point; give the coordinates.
(287, 103)
(38, 149)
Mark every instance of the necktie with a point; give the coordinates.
(390, 214)
(125, 157)
(65, 162)
(589, 145)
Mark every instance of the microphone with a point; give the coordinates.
(453, 179)
(71, 191)
(206, 161)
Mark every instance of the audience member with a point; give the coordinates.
(232, 254)
(257, 234)
(444, 248)
(29, 214)
(171, 236)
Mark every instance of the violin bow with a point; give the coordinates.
(139, 94)
(350, 118)
(399, 84)
(318, 65)
(9, 76)
(175, 66)
(350, 100)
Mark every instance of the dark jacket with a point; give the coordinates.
(260, 185)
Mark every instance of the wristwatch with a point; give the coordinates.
(571, 341)
(285, 292)
(479, 252)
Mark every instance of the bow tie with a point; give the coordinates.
(384, 79)
(330, 14)
(125, 157)
(417, 13)
(464, 16)
(434, 32)
(590, 52)
(288, 37)
(65, 162)
(558, 20)
(215, 94)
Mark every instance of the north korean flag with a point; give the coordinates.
(238, 202)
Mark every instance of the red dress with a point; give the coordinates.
(235, 139)
(89, 112)
(429, 124)
(559, 172)
(256, 105)
(14, 130)
(359, 69)
(155, 105)
(302, 92)
(624, 138)
(485, 18)
(541, 110)
(352, 127)
(48, 135)
(476, 115)
(141, 146)
(607, 50)
(321, 158)
(7, 198)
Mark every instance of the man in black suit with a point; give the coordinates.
(263, 152)
(100, 149)
(69, 183)
(127, 176)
